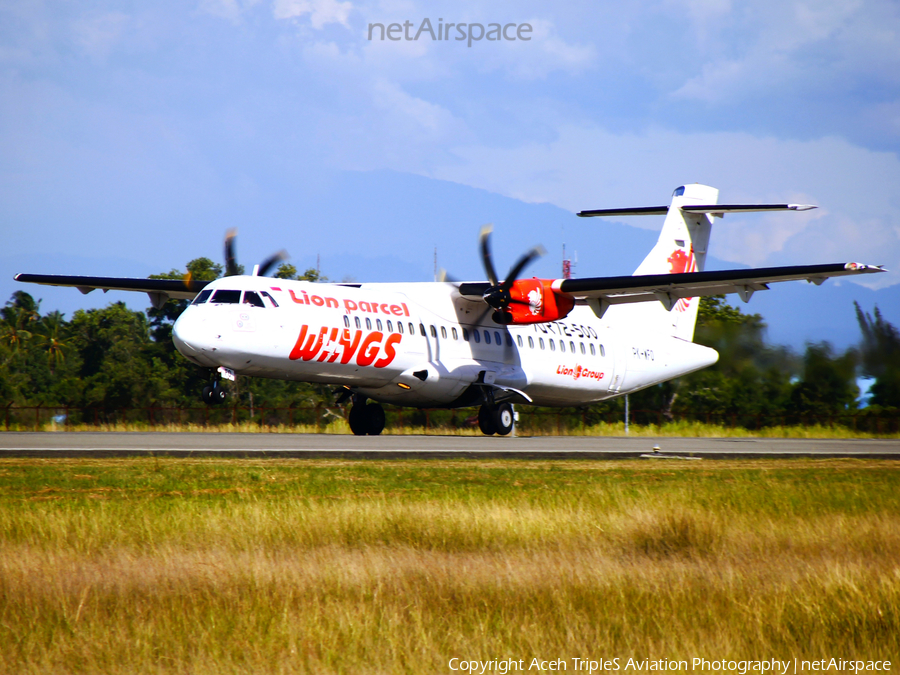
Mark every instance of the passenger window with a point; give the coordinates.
(593, 353)
(497, 339)
(390, 326)
(444, 332)
(252, 298)
(433, 331)
(519, 340)
(602, 351)
(368, 323)
(509, 340)
(476, 335)
(455, 334)
(400, 327)
(200, 299)
(346, 321)
(552, 345)
(487, 337)
(412, 329)
(422, 329)
(562, 346)
(465, 334)
(271, 299)
(530, 342)
(571, 346)
(541, 342)
(226, 297)
(378, 324)
(582, 347)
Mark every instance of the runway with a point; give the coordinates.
(136, 444)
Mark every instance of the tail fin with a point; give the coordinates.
(681, 247)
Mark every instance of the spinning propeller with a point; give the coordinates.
(231, 266)
(497, 295)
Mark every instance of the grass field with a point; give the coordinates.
(177, 566)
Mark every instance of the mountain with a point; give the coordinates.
(386, 226)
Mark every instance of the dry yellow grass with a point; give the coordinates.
(547, 428)
(384, 567)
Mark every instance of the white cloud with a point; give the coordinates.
(97, 36)
(224, 9)
(545, 53)
(393, 130)
(782, 45)
(321, 12)
(588, 168)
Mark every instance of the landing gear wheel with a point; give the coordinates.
(366, 420)
(504, 419)
(213, 394)
(375, 419)
(357, 419)
(486, 421)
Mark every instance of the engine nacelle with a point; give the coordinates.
(534, 301)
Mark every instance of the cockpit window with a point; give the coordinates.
(203, 297)
(271, 299)
(226, 297)
(679, 192)
(252, 298)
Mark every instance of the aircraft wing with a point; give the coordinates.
(600, 292)
(159, 290)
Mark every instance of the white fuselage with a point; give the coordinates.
(425, 345)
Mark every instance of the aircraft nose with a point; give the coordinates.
(191, 339)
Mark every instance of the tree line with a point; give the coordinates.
(115, 357)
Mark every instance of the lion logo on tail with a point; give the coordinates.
(681, 262)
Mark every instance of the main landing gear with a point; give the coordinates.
(496, 419)
(214, 393)
(366, 419)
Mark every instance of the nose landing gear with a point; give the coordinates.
(213, 394)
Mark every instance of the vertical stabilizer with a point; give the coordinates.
(681, 247)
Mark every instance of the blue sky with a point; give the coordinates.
(132, 135)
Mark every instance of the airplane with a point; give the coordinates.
(447, 344)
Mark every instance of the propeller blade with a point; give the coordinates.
(484, 238)
(270, 262)
(230, 262)
(514, 273)
(446, 278)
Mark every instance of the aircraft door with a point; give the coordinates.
(619, 364)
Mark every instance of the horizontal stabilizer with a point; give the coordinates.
(714, 209)
(635, 211)
(722, 209)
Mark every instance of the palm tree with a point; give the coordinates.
(12, 328)
(53, 325)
